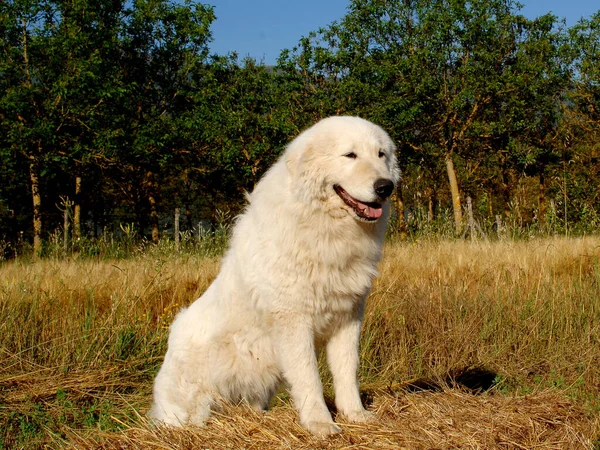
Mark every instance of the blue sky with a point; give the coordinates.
(262, 28)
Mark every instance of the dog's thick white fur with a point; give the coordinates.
(299, 267)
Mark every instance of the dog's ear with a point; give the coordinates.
(292, 161)
(394, 168)
(296, 157)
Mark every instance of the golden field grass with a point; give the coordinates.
(465, 345)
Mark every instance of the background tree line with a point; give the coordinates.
(117, 111)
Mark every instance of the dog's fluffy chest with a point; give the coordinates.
(323, 266)
(324, 278)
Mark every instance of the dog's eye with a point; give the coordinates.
(381, 154)
(350, 155)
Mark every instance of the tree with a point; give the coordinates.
(542, 66)
(451, 80)
(248, 119)
(585, 42)
(160, 62)
(52, 58)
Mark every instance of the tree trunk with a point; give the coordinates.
(77, 210)
(153, 218)
(66, 225)
(153, 211)
(542, 201)
(176, 229)
(456, 206)
(505, 186)
(37, 209)
(399, 208)
(430, 206)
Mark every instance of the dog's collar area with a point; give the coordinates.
(370, 211)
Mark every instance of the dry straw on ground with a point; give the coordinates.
(427, 420)
(517, 322)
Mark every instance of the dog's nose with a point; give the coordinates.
(383, 187)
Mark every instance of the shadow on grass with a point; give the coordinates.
(476, 379)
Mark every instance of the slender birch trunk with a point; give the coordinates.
(37, 208)
(77, 210)
(456, 203)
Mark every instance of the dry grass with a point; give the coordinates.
(441, 420)
(519, 308)
(81, 340)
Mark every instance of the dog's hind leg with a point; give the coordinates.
(167, 407)
(203, 403)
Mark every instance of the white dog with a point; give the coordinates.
(296, 276)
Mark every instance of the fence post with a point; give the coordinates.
(472, 227)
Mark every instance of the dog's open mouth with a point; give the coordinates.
(368, 211)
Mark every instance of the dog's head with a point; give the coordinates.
(344, 163)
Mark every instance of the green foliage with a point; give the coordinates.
(126, 97)
(473, 82)
(36, 423)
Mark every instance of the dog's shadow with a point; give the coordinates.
(474, 379)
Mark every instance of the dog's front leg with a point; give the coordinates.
(297, 358)
(343, 359)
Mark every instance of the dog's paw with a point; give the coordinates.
(322, 429)
(360, 416)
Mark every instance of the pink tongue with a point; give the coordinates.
(373, 213)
